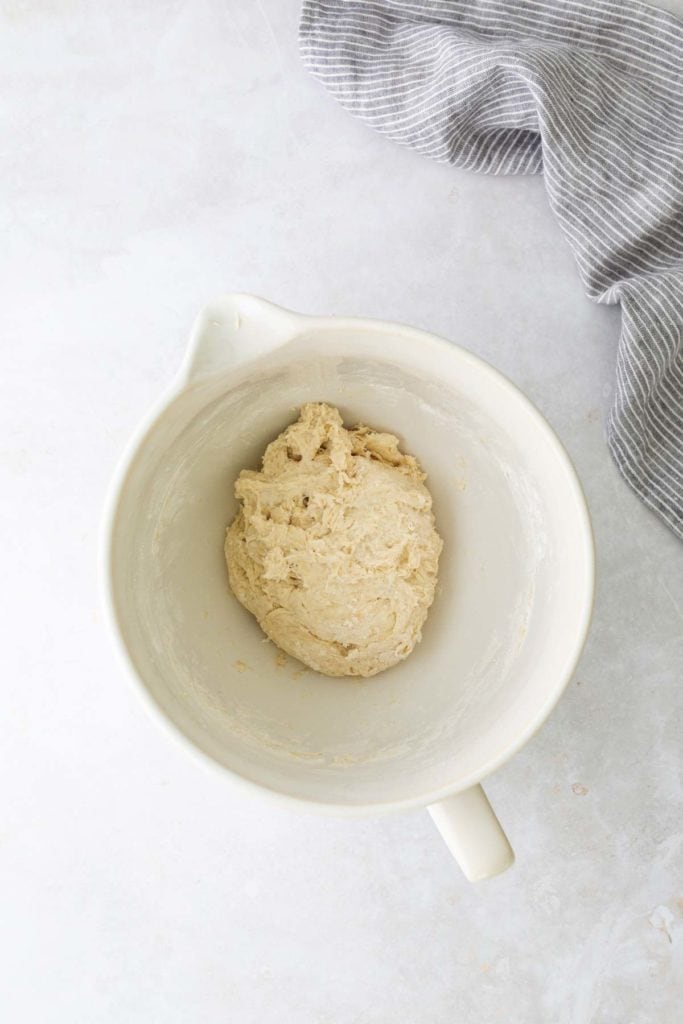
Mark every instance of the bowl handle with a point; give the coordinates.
(473, 834)
(236, 329)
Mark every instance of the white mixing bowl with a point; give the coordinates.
(516, 577)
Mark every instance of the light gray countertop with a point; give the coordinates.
(155, 155)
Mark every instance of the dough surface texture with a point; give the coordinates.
(335, 549)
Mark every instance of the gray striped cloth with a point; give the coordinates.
(591, 93)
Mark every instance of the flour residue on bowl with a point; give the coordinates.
(419, 714)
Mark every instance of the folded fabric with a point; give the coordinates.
(589, 93)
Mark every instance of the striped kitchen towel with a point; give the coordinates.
(591, 93)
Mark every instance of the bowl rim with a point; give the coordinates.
(301, 323)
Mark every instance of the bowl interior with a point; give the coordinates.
(500, 640)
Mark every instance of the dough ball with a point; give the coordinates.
(334, 550)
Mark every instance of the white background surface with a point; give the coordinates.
(154, 155)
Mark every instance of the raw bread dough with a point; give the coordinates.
(334, 549)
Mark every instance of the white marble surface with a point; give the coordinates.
(155, 154)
